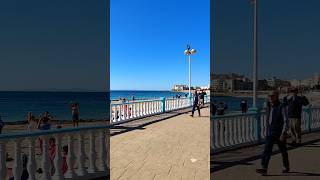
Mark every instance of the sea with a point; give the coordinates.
(14, 106)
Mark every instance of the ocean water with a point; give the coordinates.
(14, 106)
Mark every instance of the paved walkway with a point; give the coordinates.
(241, 164)
(174, 148)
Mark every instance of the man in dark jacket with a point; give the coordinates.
(195, 104)
(277, 127)
(295, 104)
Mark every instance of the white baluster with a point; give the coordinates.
(58, 159)
(3, 165)
(71, 158)
(147, 108)
(152, 107)
(103, 151)
(32, 160)
(92, 153)
(134, 112)
(216, 133)
(17, 166)
(45, 162)
(233, 131)
(82, 171)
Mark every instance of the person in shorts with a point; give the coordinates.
(75, 114)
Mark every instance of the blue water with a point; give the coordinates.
(14, 106)
(234, 102)
(143, 94)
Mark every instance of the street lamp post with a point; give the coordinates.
(255, 54)
(189, 52)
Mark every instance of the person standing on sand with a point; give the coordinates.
(75, 114)
(295, 104)
(1, 125)
(244, 106)
(277, 128)
(195, 104)
(32, 123)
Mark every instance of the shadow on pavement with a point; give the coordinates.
(221, 165)
(296, 174)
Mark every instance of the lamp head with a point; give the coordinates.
(193, 51)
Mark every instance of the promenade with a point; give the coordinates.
(175, 147)
(241, 164)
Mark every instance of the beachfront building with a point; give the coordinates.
(180, 87)
(276, 83)
(230, 82)
(310, 83)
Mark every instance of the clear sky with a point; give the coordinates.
(148, 39)
(288, 37)
(57, 44)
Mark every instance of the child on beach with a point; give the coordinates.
(64, 159)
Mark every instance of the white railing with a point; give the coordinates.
(87, 155)
(237, 130)
(122, 112)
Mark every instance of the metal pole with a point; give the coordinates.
(255, 54)
(189, 75)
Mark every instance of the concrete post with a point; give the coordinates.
(163, 104)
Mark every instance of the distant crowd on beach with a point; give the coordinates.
(43, 122)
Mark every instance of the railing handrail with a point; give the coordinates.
(52, 131)
(240, 129)
(135, 101)
(150, 100)
(234, 115)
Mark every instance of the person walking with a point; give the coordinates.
(195, 104)
(75, 114)
(214, 107)
(277, 127)
(201, 96)
(295, 104)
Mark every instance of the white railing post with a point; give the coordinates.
(17, 166)
(92, 153)
(103, 151)
(58, 159)
(71, 158)
(45, 162)
(81, 156)
(32, 160)
(3, 165)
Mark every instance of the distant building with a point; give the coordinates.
(263, 85)
(230, 82)
(180, 87)
(275, 83)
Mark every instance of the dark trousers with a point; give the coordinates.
(270, 140)
(194, 108)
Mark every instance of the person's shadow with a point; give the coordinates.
(293, 173)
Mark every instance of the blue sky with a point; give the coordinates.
(288, 38)
(53, 44)
(148, 39)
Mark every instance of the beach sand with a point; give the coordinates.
(21, 127)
